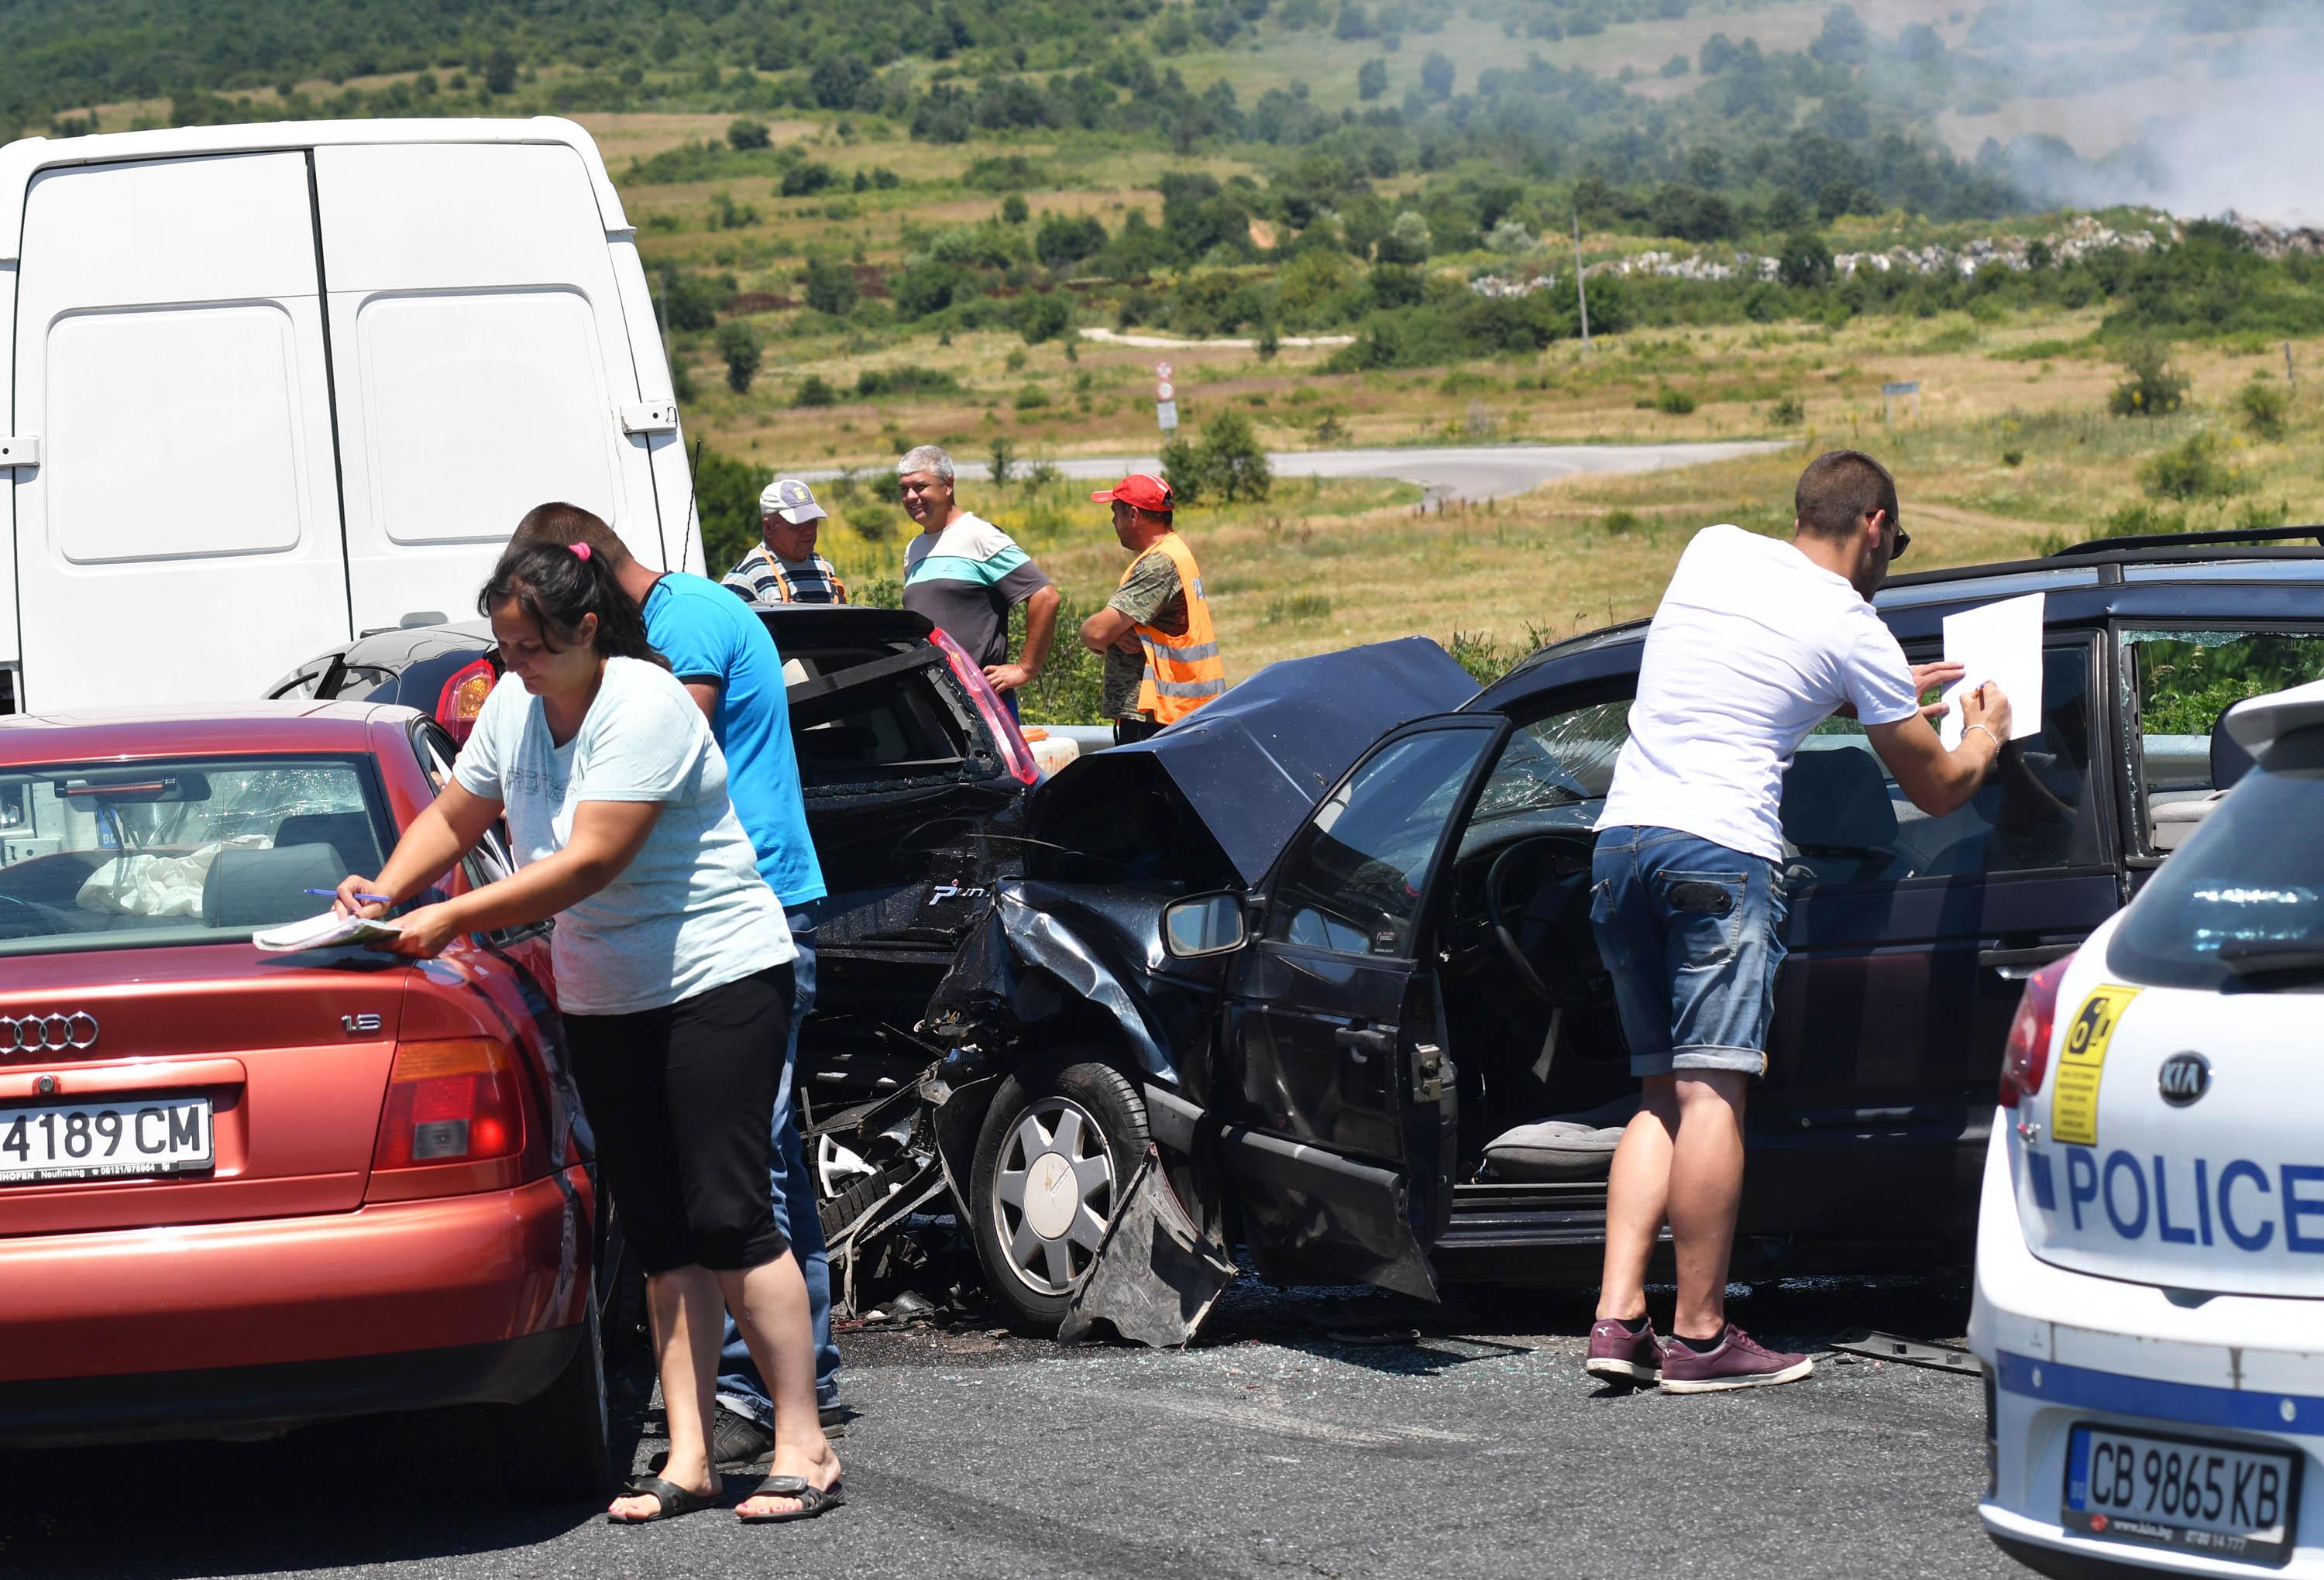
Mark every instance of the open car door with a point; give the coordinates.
(1338, 1093)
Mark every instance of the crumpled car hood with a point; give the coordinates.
(1252, 765)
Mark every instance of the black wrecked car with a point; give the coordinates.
(1343, 981)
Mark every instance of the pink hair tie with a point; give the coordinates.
(579, 548)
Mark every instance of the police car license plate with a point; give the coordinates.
(2221, 1500)
(133, 1138)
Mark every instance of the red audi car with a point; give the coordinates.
(240, 1191)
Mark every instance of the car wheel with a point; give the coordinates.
(1057, 1149)
(557, 1444)
(620, 1293)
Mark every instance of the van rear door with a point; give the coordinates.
(181, 534)
(482, 363)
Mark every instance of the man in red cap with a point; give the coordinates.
(1161, 652)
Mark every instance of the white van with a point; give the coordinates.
(269, 387)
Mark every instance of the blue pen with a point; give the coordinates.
(366, 899)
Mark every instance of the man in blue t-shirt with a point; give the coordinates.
(721, 651)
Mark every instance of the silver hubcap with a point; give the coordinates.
(1053, 1195)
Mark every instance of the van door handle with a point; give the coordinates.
(2014, 965)
(1365, 1040)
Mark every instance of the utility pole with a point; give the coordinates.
(1581, 294)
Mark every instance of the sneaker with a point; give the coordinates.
(1616, 1352)
(735, 1439)
(1737, 1363)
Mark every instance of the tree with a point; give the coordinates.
(500, 72)
(1371, 79)
(688, 301)
(1805, 261)
(1004, 458)
(830, 288)
(1045, 315)
(1353, 23)
(1436, 75)
(740, 347)
(1013, 209)
(839, 82)
(745, 135)
(1233, 465)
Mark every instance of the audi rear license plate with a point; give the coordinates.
(2221, 1500)
(135, 1137)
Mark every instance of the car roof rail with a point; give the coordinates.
(2172, 540)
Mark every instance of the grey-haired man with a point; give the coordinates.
(965, 575)
(783, 567)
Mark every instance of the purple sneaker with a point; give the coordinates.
(1737, 1363)
(1616, 1352)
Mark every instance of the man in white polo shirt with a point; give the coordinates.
(1756, 642)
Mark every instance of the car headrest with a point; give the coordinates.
(2229, 760)
(263, 889)
(1838, 798)
(350, 831)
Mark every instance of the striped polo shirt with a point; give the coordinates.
(966, 579)
(760, 574)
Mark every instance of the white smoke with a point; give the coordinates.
(2235, 119)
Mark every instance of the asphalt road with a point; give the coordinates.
(1471, 472)
(1311, 1434)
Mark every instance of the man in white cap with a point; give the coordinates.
(784, 568)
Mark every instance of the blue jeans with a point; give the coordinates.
(1692, 932)
(740, 1388)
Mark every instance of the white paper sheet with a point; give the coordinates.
(324, 932)
(2001, 643)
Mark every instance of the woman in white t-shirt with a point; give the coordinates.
(673, 980)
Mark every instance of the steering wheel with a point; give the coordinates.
(1530, 895)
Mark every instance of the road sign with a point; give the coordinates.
(1161, 370)
(1165, 412)
(1902, 387)
(1166, 390)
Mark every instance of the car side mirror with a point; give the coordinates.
(1207, 924)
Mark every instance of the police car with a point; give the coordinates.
(2150, 1261)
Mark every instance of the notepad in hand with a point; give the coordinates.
(327, 931)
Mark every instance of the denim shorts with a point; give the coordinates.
(1692, 932)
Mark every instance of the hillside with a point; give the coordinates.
(1355, 220)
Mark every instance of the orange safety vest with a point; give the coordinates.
(1183, 672)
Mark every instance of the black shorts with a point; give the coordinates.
(682, 1102)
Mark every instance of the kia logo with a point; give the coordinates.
(2184, 1078)
(47, 1034)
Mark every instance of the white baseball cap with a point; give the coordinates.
(791, 499)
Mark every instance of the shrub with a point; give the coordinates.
(830, 288)
(2150, 388)
(813, 390)
(740, 347)
(1787, 411)
(806, 179)
(688, 301)
(745, 135)
(2191, 470)
(1620, 522)
(1298, 606)
(1044, 315)
(1031, 398)
(1003, 457)
(1673, 402)
(2263, 408)
(2011, 457)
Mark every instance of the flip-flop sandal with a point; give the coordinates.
(812, 1500)
(672, 1500)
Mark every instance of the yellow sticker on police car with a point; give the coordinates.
(2074, 1101)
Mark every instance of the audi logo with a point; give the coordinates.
(47, 1034)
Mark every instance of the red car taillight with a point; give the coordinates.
(992, 709)
(463, 698)
(2027, 1060)
(458, 1101)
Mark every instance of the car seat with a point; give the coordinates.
(1838, 814)
(350, 834)
(1569, 1146)
(2174, 823)
(261, 888)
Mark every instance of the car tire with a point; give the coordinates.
(620, 1293)
(556, 1445)
(1037, 1232)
